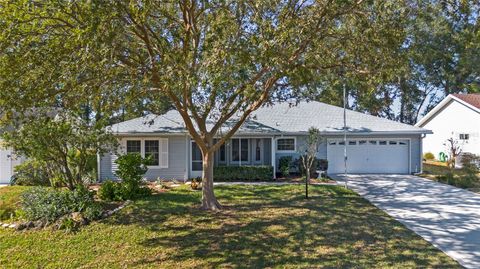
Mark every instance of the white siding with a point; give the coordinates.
(8, 161)
(454, 119)
(108, 166)
(5, 166)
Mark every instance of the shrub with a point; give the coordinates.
(244, 173)
(318, 164)
(121, 191)
(107, 190)
(31, 173)
(322, 164)
(470, 163)
(93, 212)
(44, 204)
(465, 181)
(131, 169)
(75, 138)
(47, 204)
(429, 156)
(447, 178)
(80, 199)
(284, 165)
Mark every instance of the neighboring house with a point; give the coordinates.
(8, 161)
(457, 116)
(374, 145)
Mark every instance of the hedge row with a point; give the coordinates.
(243, 173)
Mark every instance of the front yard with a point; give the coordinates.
(438, 170)
(262, 226)
(10, 200)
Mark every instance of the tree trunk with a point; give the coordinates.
(209, 201)
(68, 174)
(307, 179)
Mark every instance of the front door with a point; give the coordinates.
(196, 161)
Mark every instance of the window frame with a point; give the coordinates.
(224, 149)
(160, 150)
(258, 144)
(464, 136)
(239, 150)
(133, 140)
(286, 150)
(192, 143)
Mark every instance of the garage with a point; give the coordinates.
(369, 156)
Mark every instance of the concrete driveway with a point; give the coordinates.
(446, 216)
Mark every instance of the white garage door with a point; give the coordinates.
(369, 156)
(5, 166)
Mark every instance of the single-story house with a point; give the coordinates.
(458, 117)
(374, 145)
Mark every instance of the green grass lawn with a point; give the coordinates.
(436, 169)
(432, 170)
(261, 226)
(10, 200)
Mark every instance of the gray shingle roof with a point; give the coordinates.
(279, 118)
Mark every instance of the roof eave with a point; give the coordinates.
(409, 132)
(442, 104)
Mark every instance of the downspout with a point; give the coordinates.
(422, 136)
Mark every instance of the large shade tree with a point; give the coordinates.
(440, 56)
(215, 61)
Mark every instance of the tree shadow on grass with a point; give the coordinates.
(276, 226)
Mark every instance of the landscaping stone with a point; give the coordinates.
(25, 225)
(39, 224)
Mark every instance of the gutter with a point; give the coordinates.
(420, 132)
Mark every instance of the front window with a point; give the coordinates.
(286, 144)
(222, 153)
(152, 152)
(464, 136)
(240, 150)
(196, 158)
(134, 146)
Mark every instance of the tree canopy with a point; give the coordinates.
(439, 56)
(215, 61)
